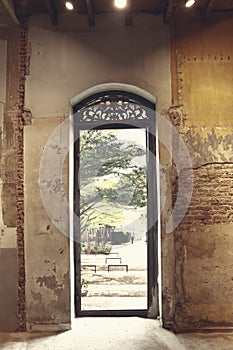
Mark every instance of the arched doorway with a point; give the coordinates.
(106, 110)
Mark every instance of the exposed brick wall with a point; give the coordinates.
(202, 241)
(212, 197)
(23, 71)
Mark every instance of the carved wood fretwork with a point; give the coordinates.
(113, 111)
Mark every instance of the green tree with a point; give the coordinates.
(110, 178)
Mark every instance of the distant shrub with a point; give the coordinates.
(100, 250)
(83, 247)
(104, 250)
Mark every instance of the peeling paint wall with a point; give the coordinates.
(202, 71)
(74, 57)
(65, 60)
(61, 62)
(47, 249)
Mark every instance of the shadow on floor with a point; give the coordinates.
(116, 333)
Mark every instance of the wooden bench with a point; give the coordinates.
(89, 266)
(119, 265)
(106, 260)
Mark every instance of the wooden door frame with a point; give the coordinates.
(152, 232)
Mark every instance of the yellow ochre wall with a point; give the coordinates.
(202, 87)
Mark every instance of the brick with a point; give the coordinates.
(212, 197)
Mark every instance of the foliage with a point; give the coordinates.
(104, 250)
(109, 177)
(99, 250)
(83, 246)
(84, 283)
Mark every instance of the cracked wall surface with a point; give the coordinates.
(64, 62)
(202, 74)
(58, 63)
(46, 248)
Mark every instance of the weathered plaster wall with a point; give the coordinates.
(8, 182)
(202, 56)
(71, 58)
(47, 249)
(65, 60)
(74, 57)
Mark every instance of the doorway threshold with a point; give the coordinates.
(118, 313)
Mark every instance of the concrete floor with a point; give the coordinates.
(116, 334)
(117, 289)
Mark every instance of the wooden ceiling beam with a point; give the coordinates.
(207, 9)
(170, 7)
(8, 4)
(51, 7)
(91, 13)
(210, 5)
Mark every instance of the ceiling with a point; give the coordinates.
(19, 8)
